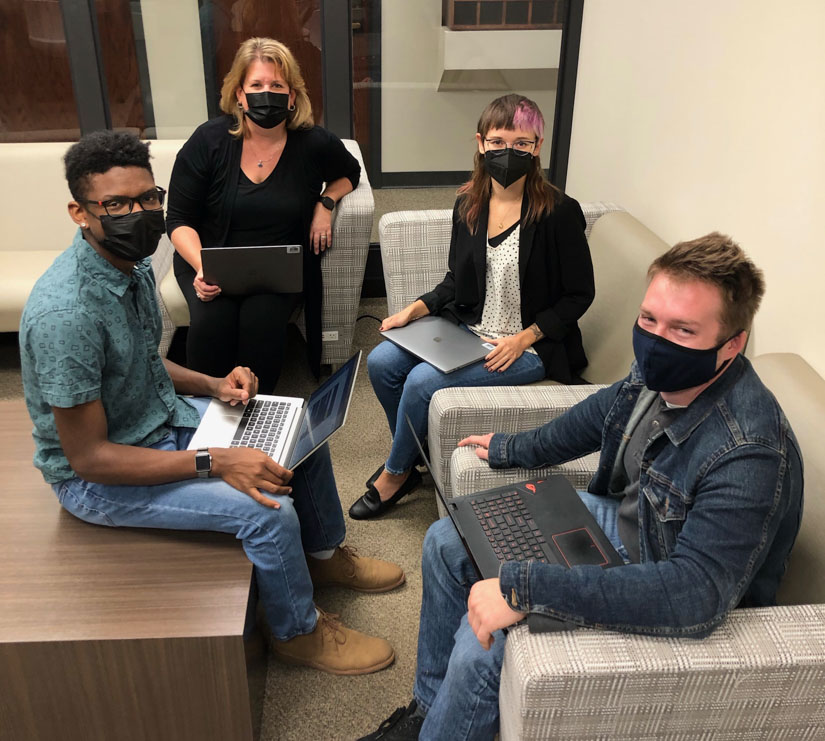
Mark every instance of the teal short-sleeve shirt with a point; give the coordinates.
(88, 332)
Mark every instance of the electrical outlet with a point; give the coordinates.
(329, 336)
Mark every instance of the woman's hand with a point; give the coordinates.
(203, 290)
(320, 231)
(507, 350)
(415, 310)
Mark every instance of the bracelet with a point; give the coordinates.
(536, 331)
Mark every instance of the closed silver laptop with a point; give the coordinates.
(439, 342)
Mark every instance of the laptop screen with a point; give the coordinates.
(326, 410)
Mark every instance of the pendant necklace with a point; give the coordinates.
(261, 161)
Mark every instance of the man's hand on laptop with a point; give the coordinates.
(238, 387)
(482, 443)
(253, 472)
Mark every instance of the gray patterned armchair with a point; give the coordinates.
(342, 268)
(761, 674)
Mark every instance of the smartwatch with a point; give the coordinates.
(327, 202)
(203, 463)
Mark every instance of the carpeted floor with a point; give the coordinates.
(304, 703)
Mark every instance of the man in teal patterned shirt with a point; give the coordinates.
(111, 431)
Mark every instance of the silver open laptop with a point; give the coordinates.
(439, 342)
(286, 428)
(243, 270)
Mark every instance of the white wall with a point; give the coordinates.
(175, 59)
(423, 129)
(710, 115)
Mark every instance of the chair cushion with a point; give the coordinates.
(20, 270)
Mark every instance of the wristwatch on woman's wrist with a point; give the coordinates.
(327, 202)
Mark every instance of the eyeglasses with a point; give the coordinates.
(520, 145)
(118, 206)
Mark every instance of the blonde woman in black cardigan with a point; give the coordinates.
(254, 177)
(519, 275)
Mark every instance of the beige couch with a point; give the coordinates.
(762, 673)
(38, 229)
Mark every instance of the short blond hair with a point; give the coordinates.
(719, 261)
(266, 50)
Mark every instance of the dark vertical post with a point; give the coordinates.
(336, 32)
(566, 93)
(86, 64)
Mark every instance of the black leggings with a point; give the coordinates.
(236, 330)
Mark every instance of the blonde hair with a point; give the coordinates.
(266, 50)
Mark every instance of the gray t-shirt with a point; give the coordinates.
(657, 417)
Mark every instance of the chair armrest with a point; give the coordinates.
(161, 265)
(415, 246)
(761, 674)
(343, 265)
(456, 413)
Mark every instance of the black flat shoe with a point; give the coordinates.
(371, 480)
(369, 505)
(403, 725)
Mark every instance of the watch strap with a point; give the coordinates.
(327, 202)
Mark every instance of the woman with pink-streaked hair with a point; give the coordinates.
(519, 275)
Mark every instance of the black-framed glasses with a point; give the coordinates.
(520, 145)
(117, 206)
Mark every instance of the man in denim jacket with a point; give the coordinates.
(699, 487)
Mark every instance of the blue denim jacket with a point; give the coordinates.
(720, 503)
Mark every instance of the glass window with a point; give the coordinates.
(423, 72)
(34, 50)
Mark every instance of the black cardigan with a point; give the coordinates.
(204, 183)
(555, 274)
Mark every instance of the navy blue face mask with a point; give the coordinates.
(666, 366)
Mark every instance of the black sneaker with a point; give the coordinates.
(402, 725)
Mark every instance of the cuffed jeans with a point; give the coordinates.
(404, 385)
(275, 540)
(456, 680)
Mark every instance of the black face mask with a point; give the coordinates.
(507, 165)
(135, 236)
(267, 109)
(667, 366)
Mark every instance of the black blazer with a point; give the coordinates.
(205, 180)
(556, 280)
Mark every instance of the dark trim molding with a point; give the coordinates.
(373, 285)
(336, 32)
(424, 179)
(143, 73)
(374, 45)
(86, 64)
(566, 93)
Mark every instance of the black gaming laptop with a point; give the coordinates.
(536, 520)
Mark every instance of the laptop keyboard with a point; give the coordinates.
(261, 425)
(510, 528)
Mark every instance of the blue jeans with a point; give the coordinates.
(275, 540)
(404, 385)
(456, 680)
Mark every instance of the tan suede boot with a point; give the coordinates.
(333, 648)
(347, 569)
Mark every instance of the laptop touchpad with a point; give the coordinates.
(578, 548)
